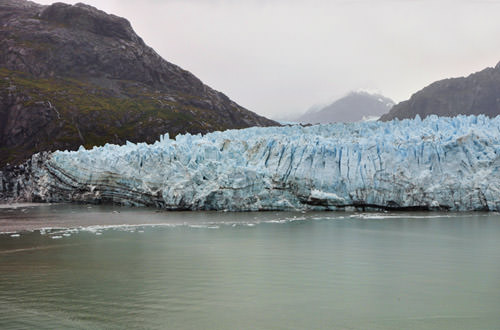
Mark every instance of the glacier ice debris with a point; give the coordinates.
(435, 163)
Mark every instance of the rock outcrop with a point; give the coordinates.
(73, 75)
(479, 93)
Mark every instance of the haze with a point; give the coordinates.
(279, 57)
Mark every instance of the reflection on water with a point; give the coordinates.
(103, 267)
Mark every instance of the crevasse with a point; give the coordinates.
(435, 163)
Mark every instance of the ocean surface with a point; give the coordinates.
(104, 267)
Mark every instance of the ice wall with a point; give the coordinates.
(436, 163)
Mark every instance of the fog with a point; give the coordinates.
(280, 57)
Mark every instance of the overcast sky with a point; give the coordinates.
(279, 57)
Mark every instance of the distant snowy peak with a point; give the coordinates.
(355, 106)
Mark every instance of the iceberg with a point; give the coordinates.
(432, 164)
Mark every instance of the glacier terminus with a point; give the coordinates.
(433, 164)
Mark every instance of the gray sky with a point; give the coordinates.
(279, 57)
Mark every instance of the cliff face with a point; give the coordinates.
(73, 75)
(479, 93)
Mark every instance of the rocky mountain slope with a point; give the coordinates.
(73, 75)
(479, 93)
(351, 108)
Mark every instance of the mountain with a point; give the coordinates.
(73, 75)
(479, 93)
(433, 164)
(353, 107)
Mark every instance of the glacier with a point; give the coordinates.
(433, 164)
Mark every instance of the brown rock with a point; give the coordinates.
(72, 74)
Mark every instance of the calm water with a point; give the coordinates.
(247, 270)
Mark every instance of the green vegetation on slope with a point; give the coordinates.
(75, 112)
